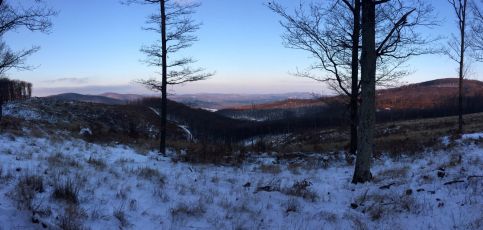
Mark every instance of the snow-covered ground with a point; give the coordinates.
(117, 188)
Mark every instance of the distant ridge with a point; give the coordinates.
(447, 82)
(202, 100)
(123, 97)
(222, 101)
(87, 98)
(413, 96)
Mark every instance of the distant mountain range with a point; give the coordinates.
(222, 101)
(414, 96)
(204, 101)
(419, 95)
(87, 98)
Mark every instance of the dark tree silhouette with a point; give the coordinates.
(332, 36)
(476, 39)
(15, 16)
(176, 27)
(12, 17)
(318, 32)
(11, 90)
(367, 120)
(457, 48)
(389, 33)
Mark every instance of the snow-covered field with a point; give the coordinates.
(78, 185)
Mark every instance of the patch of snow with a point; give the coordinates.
(445, 140)
(14, 110)
(209, 109)
(473, 136)
(189, 136)
(155, 111)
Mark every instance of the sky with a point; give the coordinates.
(94, 48)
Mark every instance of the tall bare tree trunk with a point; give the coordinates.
(164, 96)
(461, 68)
(354, 104)
(365, 144)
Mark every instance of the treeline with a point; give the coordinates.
(11, 90)
(14, 89)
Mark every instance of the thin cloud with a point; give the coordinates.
(73, 80)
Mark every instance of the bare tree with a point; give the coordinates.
(176, 27)
(457, 48)
(476, 39)
(15, 16)
(387, 25)
(332, 35)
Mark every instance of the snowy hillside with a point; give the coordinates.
(72, 184)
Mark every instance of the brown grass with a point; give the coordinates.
(271, 168)
(67, 191)
(393, 138)
(26, 189)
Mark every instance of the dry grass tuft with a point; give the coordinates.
(193, 210)
(72, 218)
(392, 173)
(379, 206)
(302, 189)
(26, 189)
(67, 191)
(97, 163)
(271, 168)
(121, 216)
(151, 174)
(292, 205)
(61, 160)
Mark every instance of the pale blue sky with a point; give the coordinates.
(96, 43)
